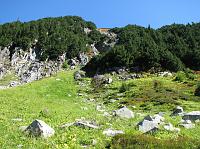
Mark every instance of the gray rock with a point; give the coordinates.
(39, 128)
(170, 127)
(86, 124)
(84, 59)
(14, 84)
(109, 81)
(124, 113)
(100, 108)
(22, 128)
(150, 123)
(111, 133)
(192, 116)
(79, 75)
(178, 111)
(147, 126)
(165, 74)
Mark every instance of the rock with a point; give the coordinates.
(150, 123)
(187, 124)
(79, 75)
(22, 128)
(100, 108)
(165, 74)
(72, 67)
(84, 124)
(73, 62)
(87, 30)
(39, 128)
(147, 126)
(14, 84)
(109, 81)
(106, 114)
(94, 49)
(111, 133)
(178, 111)
(192, 116)
(124, 113)
(84, 59)
(158, 118)
(170, 127)
(67, 125)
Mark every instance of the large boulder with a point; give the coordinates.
(150, 123)
(192, 116)
(124, 113)
(39, 128)
(147, 126)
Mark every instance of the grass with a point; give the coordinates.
(57, 96)
(6, 80)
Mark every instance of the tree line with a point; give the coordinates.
(51, 36)
(172, 47)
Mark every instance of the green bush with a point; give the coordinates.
(197, 90)
(124, 87)
(65, 65)
(189, 74)
(157, 85)
(180, 76)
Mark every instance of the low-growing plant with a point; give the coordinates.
(189, 74)
(65, 65)
(157, 85)
(197, 90)
(124, 87)
(150, 142)
(180, 76)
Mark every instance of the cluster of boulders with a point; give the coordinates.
(149, 124)
(153, 123)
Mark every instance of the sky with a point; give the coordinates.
(105, 13)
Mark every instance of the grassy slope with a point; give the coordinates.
(60, 97)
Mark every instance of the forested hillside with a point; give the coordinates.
(171, 47)
(52, 36)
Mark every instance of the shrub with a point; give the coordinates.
(197, 91)
(124, 87)
(157, 85)
(189, 74)
(98, 82)
(180, 76)
(65, 65)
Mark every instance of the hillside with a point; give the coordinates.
(66, 84)
(60, 99)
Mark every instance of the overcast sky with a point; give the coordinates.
(105, 13)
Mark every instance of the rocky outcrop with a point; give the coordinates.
(26, 65)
